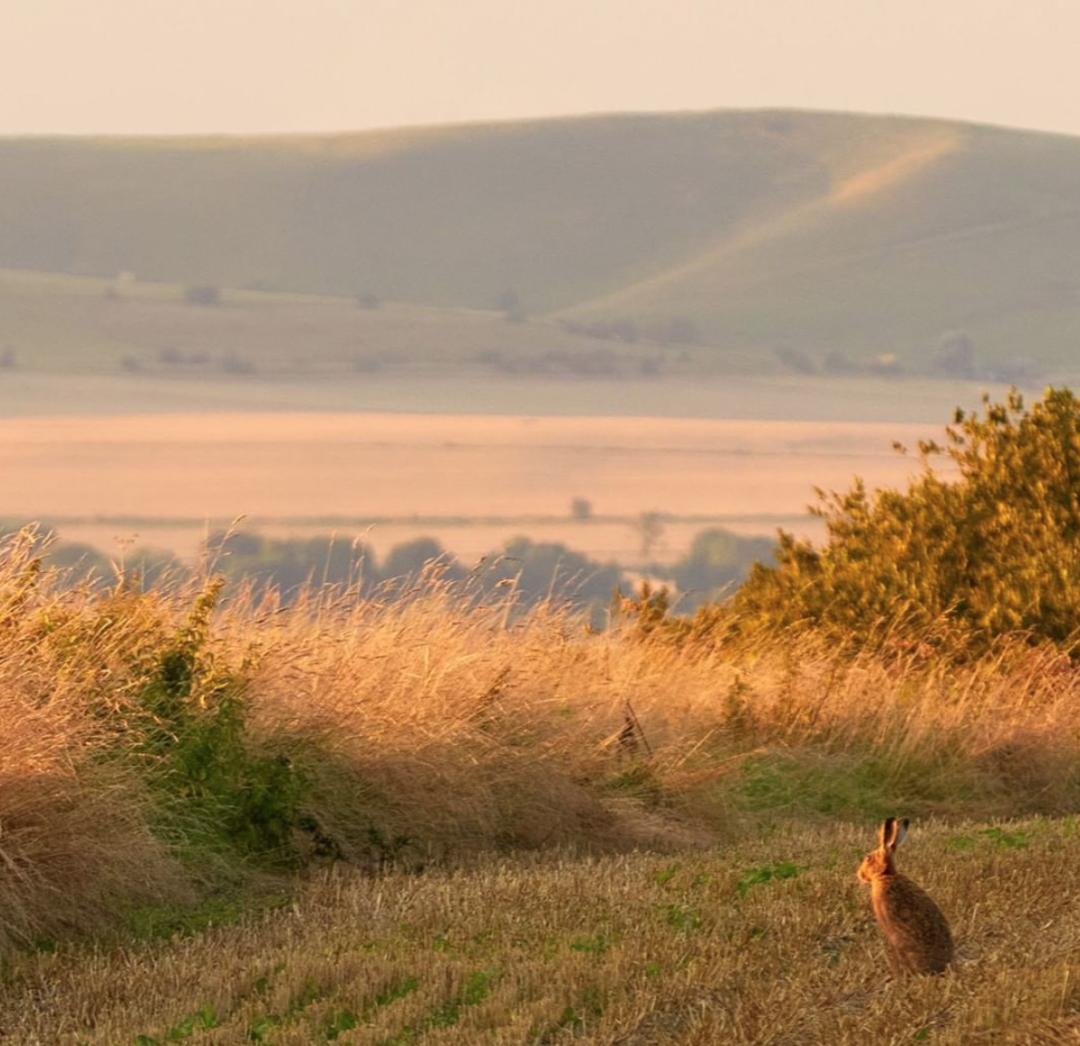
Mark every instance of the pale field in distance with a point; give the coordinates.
(28, 393)
(470, 480)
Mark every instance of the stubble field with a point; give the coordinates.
(766, 942)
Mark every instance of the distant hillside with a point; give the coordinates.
(755, 231)
(81, 324)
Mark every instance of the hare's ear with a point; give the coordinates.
(892, 833)
(885, 833)
(901, 831)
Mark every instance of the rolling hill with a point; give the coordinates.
(748, 232)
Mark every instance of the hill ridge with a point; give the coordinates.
(746, 230)
(599, 115)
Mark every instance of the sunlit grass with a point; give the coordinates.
(428, 820)
(766, 941)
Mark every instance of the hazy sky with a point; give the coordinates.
(174, 66)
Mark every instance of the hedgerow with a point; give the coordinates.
(986, 546)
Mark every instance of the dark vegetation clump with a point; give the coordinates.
(619, 329)
(955, 357)
(715, 564)
(215, 794)
(796, 360)
(837, 361)
(511, 306)
(235, 363)
(205, 294)
(673, 330)
(677, 330)
(598, 362)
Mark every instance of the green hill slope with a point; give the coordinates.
(961, 228)
(758, 229)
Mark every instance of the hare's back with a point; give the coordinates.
(914, 926)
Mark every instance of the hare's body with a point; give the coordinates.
(917, 935)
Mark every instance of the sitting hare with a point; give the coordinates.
(917, 936)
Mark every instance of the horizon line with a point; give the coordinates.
(520, 121)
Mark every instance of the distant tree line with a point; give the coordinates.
(954, 356)
(535, 570)
(716, 564)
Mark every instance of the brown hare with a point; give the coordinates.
(917, 937)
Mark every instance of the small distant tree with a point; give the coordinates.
(625, 330)
(649, 527)
(796, 359)
(681, 330)
(511, 306)
(244, 543)
(8, 358)
(367, 300)
(79, 561)
(288, 564)
(205, 294)
(716, 560)
(149, 567)
(1018, 370)
(234, 363)
(539, 570)
(838, 362)
(114, 289)
(955, 356)
(411, 559)
(366, 363)
(131, 363)
(581, 509)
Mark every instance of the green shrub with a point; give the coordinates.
(989, 548)
(213, 791)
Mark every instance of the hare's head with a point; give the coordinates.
(879, 862)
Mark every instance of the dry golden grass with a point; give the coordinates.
(75, 842)
(469, 732)
(768, 942)
(435, 734)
